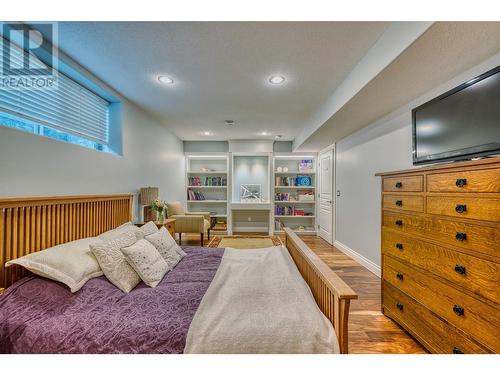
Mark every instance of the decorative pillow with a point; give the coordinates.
(113, 262)
(148, 228)
(166, 246)
(146, 261)
(117, 232)
(175, 208)
(71, 263)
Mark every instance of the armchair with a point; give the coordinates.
(189, 222)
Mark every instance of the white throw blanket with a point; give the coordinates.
(259, 303)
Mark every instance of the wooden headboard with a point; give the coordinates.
(28, 225)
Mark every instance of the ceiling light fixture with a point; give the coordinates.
(276, 79)
(166, 80)
(264, 133)
(207, 133)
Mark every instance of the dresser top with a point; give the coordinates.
(444, 166)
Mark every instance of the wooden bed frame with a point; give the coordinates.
(28, 225)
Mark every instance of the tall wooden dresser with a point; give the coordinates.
(441, 254)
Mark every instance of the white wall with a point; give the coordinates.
(250, 170)
(382, 146)
(32, 165)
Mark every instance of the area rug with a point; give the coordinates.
(245, 242)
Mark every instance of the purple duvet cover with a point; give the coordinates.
(42, 316)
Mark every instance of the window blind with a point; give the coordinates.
(69, 107)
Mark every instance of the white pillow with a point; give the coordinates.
(113, 262)
(146, 261)
(148, 229)
(145, 230)
(166, 246)
(71, 263)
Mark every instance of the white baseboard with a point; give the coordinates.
(365, 262)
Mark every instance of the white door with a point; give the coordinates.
(325, 196)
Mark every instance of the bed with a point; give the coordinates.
(183, 314)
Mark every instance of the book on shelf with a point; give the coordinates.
(280, 210)
(194, 195)
(208, 181)
(285, 181)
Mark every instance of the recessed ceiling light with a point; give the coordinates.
(166, 80)
(207, 133)
(230, 122)
(276, 79)
(264, 133)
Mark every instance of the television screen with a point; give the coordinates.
(460, 124)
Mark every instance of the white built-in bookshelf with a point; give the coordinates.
(207, 182)
(294, 193)
(210, 188)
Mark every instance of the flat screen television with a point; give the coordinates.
(461, 124)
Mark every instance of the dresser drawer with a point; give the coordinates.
(465, 207)
(403, 202)
(434, 333)
(480, 276)
(482, 239)
(482, 181)
(404, 183)
(475, 317)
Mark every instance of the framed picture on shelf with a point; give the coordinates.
(250, 193)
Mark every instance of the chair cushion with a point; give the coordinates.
(175, 208)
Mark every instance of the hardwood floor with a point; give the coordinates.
(370, 332)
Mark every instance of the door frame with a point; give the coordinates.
(329, 149)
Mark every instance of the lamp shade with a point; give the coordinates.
(148, 195)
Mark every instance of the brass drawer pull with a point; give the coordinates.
(400, 276)
(458, 310)
(399, 185)
(460, 269)
(399, 246)
(461, 182)
(461, 236)
(399, 222)
(400, 306)
(457, 350)
(461, 208)
(399, 203)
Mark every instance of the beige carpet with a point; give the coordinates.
(245, 242)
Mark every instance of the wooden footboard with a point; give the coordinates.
(332, 295)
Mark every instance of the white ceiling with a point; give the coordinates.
(444, 51)
(221, 69)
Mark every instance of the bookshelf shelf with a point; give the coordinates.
(207, 201)
(293, 162)
(203, 173)
(210, 184)
(295, 202)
